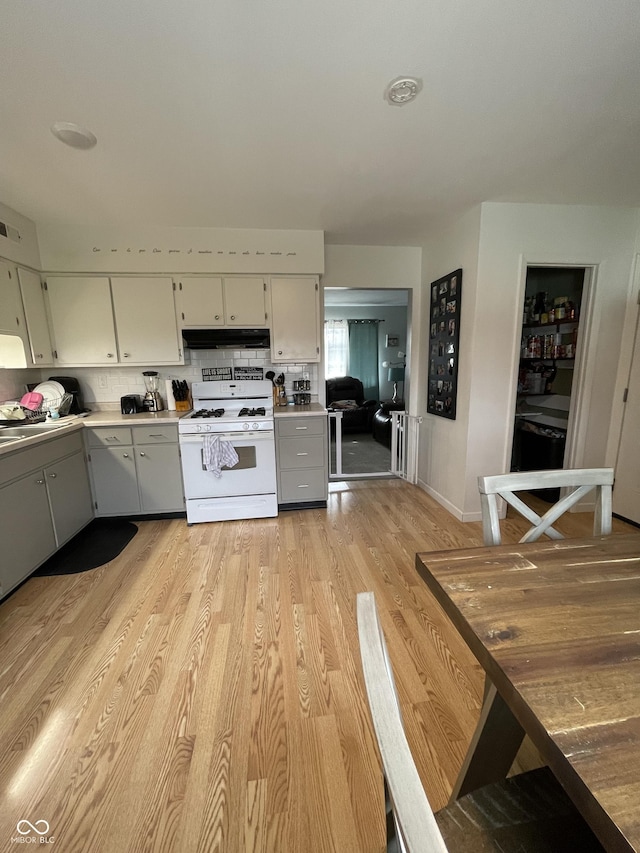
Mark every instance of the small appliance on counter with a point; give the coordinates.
(72, 386)
(131, 404)
(152, 401)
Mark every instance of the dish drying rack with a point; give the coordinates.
(61, 405)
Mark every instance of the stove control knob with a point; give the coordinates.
(255, 426)
(198, 428)
(245, 425)
(207, 427)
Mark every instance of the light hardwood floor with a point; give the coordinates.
(203, 691)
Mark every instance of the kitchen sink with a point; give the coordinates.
(27, 431)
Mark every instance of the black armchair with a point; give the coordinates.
(381, 426)
(346, 394)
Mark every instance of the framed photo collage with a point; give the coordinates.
(444, 340)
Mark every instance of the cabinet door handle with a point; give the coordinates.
(109, 355)
(111, 437)
(126, 455)
(53, 476)
(142, 453)
(40, 482)
(303, 486)
(39, 355)
(302, 427)
(302, 454)
(233, 316)
(279, 352)
(217, 317)
(126, 354)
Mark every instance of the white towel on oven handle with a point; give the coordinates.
(216, 453)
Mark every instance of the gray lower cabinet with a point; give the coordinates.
(135, 470)
(45, 499)
(69, 496)
(301, 452)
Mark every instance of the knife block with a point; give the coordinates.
(183, 405)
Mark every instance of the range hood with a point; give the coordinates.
(221, 338)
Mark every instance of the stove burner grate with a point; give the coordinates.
(252, 413)
(208, 413)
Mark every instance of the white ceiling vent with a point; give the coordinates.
(10, 232)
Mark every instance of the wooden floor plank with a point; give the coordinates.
(203, 691)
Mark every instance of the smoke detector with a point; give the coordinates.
(73, 134)
(402, 90)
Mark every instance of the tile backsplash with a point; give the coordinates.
(102, 387)
(12, 382)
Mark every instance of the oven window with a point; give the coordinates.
(246, 459)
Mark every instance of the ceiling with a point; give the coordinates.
(271, 115)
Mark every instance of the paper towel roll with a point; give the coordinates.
(171, 401)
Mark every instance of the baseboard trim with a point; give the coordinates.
(455, 512)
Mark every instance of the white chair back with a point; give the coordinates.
(581, 480)
(415, 824)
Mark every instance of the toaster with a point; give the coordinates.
(130, 404)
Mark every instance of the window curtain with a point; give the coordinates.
(336, 348)
(363, 355)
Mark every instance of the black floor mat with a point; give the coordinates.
(98, 543)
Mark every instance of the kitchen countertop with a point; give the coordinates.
(299, 411)
(545, 420)
(39, 438)
(115, 418)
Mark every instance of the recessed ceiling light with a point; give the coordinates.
(402, 90)
(73, 134)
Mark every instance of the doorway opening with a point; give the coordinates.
(550, 347)
(366, 343)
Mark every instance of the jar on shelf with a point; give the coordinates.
(560, 308)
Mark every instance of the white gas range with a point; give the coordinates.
(229, 419)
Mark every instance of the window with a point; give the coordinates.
(336, 348)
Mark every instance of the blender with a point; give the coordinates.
(152, 401)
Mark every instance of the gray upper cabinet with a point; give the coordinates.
(32, 292)
(295, 319)
(82, 320)
(211, 301)
(97, 320)
(145, 318)
(14, 343)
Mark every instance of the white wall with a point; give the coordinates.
(24, 251)
(512, 236)
(180, 250)
(442, 452)
(372, 266)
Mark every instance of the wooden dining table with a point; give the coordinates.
(556, 627)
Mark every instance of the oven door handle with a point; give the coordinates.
(263, 435)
